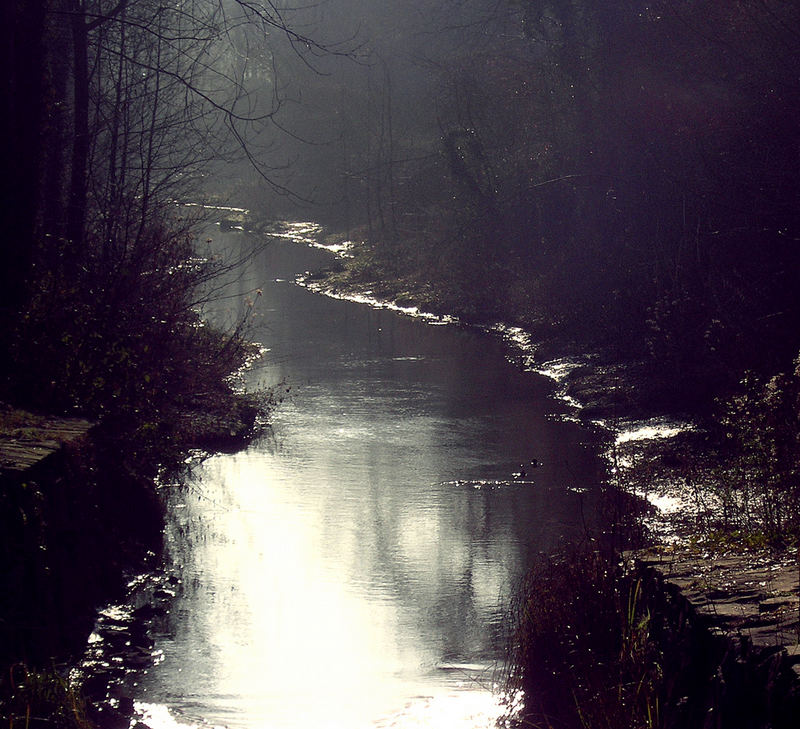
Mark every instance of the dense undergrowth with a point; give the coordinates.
(33, 699)
(118, 335)
(733, 480)
(598, 646)
(583, 655)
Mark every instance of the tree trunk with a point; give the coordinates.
(76, 209)
(21, 84)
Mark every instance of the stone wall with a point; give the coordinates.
(717, 677)
(71, 525)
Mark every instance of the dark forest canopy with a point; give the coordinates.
(623, 171)
(113, 112)
(627, 171)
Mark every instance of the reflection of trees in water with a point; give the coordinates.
(385, 412)
(447, 566)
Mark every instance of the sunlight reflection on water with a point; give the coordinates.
(351, 570)
(286, 594)
(466, 710)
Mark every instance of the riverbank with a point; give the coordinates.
(601, 644)
(602, 383)
(82, 510)
(75, 518)
(660, 449)
(749, 596)
(658, 452)
(26, 439)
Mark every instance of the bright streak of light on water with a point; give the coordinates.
(468, 710)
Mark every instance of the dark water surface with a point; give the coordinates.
(349, 570)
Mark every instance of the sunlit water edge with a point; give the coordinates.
(522, 341)
(665, 499)
(469, 709)
(460, 704)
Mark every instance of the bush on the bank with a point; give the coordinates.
(582, 653)
(117, 334)
(33, 699)
(758, 481)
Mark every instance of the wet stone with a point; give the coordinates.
(121, 647)
(776, 603)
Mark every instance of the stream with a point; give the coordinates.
(351, 569)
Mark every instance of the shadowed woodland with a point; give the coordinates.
(625, 172)
(617, 177)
